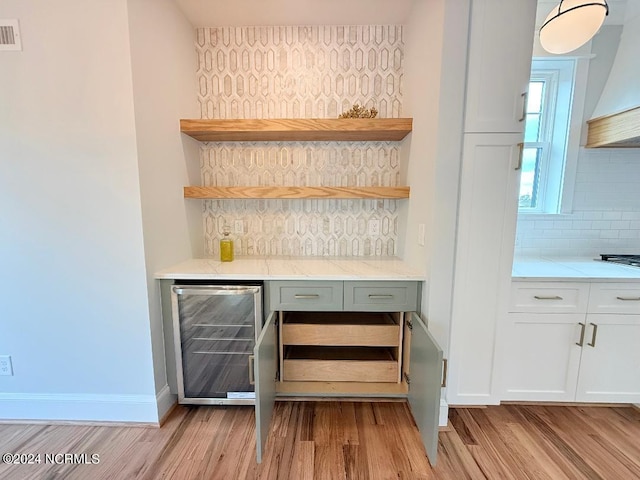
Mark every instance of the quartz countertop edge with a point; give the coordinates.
(572, 269)
(294, 268)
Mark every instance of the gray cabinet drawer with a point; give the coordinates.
(305, 295)
(371, 296)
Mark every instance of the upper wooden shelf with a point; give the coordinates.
(300, 130)
(297, 192)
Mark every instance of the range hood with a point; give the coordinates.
(616, 118)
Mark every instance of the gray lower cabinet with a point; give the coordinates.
(374, 318)
(351, 339)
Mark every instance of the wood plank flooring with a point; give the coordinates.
(343, 440)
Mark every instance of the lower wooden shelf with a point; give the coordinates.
(341, 389)
(247, 192)
(340, 364)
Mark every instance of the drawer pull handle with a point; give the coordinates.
(549, 297)
(252, 378)
(593, 335)
(629, 299)
(306, 295)
(380, 296)
(581, 342)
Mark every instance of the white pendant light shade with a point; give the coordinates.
(572, 24)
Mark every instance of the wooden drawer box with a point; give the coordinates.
(549, 297)
(340, 364)
(341, 328)
(615, 298)
(305, 295)
(381, 296)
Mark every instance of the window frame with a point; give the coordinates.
(559, 168)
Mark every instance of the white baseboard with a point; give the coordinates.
(165, 401)
(443, 420)
(79, 407)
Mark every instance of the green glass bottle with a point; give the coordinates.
(226, 246)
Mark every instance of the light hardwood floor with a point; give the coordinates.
(344, 440)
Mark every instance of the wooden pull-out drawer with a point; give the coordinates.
(381, 296)
(305, 295)
(341, 328)
(549, 297)
(615, 298)
(340, 364)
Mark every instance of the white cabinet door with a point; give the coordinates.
(500, 48)
(426, 382)
(610, 364)
(484, 256)
(265, 368)
(542, 356)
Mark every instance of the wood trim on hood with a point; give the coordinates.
(618, 130)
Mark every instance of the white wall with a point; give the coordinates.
(74, 315)
(164, 90)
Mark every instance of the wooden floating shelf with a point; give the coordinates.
(296, 192)
(298, 130)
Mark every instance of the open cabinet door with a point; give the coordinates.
(265, 377)
(426, 382)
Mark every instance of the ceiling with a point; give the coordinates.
(212, 13)
(615, 17)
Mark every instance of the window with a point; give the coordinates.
(546, 135)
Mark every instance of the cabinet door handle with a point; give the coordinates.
(593, 335)
(629, 299)
(582, 330)
(520, 155)
(380, 296)
(549, 297)
(252, 378)
(523, 116)
(445, 369)
(306, 295)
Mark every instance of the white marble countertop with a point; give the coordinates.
(571, 269)
(294, 268)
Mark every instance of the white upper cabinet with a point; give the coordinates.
(500, 47)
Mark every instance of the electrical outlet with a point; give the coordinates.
(374, 227)
(421, 233)
(238, 227)
(5, 365)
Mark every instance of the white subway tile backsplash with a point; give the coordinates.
(611, 215)
(629, 234)
(606, 216)
(620, 225)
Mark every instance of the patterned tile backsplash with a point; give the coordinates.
(300, 72)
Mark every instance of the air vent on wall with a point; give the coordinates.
(9, 35)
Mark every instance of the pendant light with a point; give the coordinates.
(572, 24)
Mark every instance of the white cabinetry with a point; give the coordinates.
(486, 237)
(500, 46)
(558, 346)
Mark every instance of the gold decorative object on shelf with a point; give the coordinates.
(359, 112)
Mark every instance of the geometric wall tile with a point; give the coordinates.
(300, 72)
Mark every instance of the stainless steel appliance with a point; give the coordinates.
(215, 330)
(631, 260)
